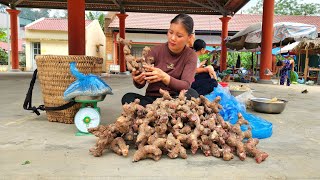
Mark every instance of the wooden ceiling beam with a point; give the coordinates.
(4, 2)
(18, 2)
(116, 3)
(205, 6)
(240, 4)
(159, 4)
(47, 1)
(223, 11)
(222, 7)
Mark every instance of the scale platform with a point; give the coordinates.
(89, 114)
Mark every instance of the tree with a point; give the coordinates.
(310, 8)
(3, 35)
(246, 59)
(58, 13)
(33, 14)
(3, 57)
(256, 9)
(96, 15)
(2, 8)
(288, 7)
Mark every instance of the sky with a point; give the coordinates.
(254, 2)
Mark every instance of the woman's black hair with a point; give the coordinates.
(279, 63)
(199, 44)
(185, 20)
(285, 54)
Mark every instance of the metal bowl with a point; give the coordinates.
(237, 92)
(90, 98)
(265, 105)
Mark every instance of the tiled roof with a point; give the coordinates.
(207, 22)
(5, 46)
(51, 24)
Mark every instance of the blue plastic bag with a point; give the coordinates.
(85, 85)
(231, 107)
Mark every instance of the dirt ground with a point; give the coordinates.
(54, 152)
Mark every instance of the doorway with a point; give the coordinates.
(35, 50)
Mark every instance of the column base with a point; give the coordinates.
(264, 81)
(125, 73)
(14, 70)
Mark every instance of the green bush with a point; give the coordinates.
(3, 57)
(245, 59)
(207, 57)
(3, 35)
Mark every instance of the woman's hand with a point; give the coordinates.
(153, 75)
(203, 63)
(211, 72)
(138, 77)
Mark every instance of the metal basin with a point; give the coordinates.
(237, 92)
(265, 105)
(90, 98)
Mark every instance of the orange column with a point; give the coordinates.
(122, 31)
(224, 35)
(76, 27)
(14, 38)
(266, 40)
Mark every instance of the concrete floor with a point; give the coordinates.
(55, 152)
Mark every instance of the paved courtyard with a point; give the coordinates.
(54, 152)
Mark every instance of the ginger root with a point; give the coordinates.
(118, 145)
(252, 150)
(136, 63)
(105, 135)
(171, 126)
(148, 151)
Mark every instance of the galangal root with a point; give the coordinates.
(136, 63)
(171, 126)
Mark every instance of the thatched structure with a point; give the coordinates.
(312, 46)
(307, 47)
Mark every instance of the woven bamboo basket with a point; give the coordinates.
(55, 77)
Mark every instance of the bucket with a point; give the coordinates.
(55, 77)
(224, 84)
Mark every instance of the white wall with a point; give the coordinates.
(46, 35)
(54, 47)
(28, 56)
(47, 48)
(4, 20)
(95, 37)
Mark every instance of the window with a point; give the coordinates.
(36, 49)
(136, 51)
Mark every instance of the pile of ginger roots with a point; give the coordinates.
(174, 125)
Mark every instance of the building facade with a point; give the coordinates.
(49, 36)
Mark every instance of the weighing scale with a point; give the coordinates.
(89, 114)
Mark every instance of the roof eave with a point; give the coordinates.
(164, 31)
